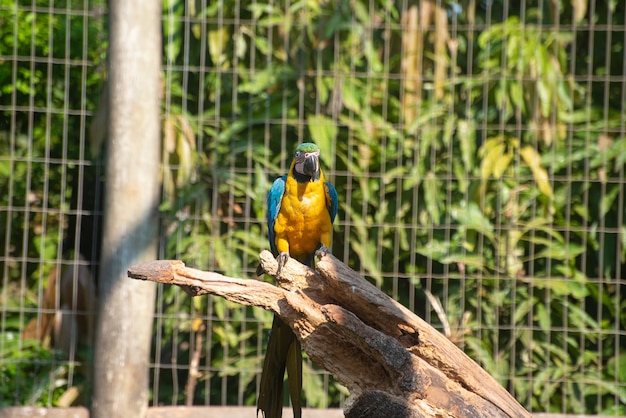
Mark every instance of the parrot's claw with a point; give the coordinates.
(282, 260)
(321, 251)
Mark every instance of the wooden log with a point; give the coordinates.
(392, 362)
(381, 312)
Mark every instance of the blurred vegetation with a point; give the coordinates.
(51, 73)
(479, 155)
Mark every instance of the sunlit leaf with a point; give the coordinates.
(579, 318)
(491, 153)
(313, 385)
(517, 95)
(523, 309)
(608, 200)
(217, 40)
(473, 218)
(350, 96)
(394, 173)
(501, 164)
(466, 132)
(465, 259)
(559, 251)
(542, 317)
(260, 82)
(434, 249)
(616, 366)
(367, 253)
(323, 132)
(533, 161)
(482, 354)
(321, 89)
(431, 195)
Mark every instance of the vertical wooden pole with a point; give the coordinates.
(412, 43)
(130, 233)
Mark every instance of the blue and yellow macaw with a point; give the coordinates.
(301, 210)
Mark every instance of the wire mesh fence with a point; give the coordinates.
(478, 149)
(51, 59)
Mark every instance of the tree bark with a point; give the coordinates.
(130, 233)
(392, 362)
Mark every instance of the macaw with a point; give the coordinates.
(301, 209)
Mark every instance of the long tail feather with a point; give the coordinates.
(283, 351)
(294, 376)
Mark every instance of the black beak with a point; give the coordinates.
(311, 165)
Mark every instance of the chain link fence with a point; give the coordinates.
(478, 148)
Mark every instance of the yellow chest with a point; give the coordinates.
(303, 218)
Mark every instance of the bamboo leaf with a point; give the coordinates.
(482, 353)
(434, 249)
(475, 261)
(542, 317)
(559, 251)
(501, 164)
(608, 200)
(350, 96)
(491, 152)
(323, 132)
(367, 252)
(472, 218)
(217, 40)
(431, 195)
(517, 95)
(522, 310)
(466, 132)
(533, 161)
(579, 318)
(616, 366)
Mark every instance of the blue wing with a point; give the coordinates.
(332, 200)
(274, 199)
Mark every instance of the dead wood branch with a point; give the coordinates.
(393, 363)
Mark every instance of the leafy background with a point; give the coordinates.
(478, 148)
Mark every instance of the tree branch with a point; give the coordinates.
(392, 361)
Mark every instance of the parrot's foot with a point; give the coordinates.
(282, 260)
(321, 251)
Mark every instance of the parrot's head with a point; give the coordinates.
(306, 162)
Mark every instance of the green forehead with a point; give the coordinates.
(307, 147)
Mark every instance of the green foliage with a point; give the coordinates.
(28, 138)
(501, 179)
(498, 186)
(29, 373)
(48, 61)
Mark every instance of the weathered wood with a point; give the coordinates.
(376, 309)
(393, 363)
